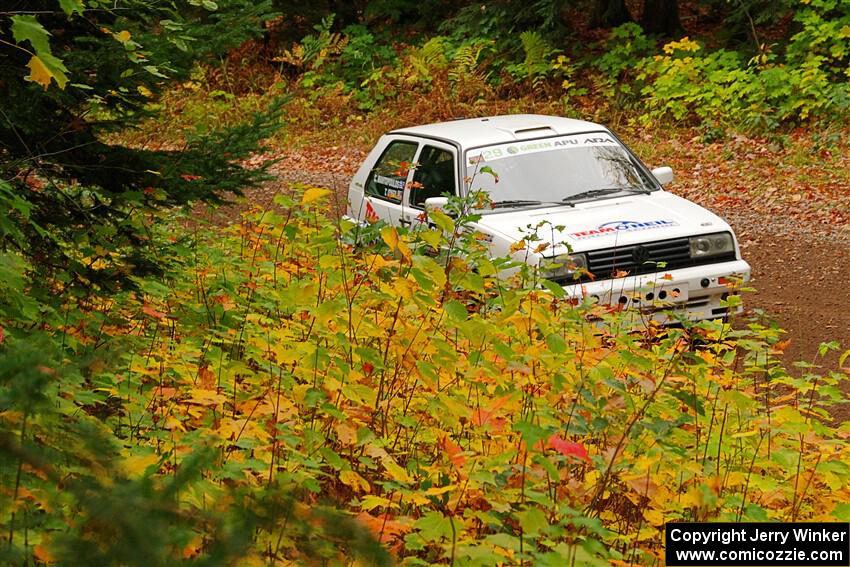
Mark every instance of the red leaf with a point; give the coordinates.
(148, 310)
(568, 448)
(368, 368)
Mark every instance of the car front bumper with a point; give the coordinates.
(693, 293)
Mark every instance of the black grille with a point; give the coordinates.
(644, 258)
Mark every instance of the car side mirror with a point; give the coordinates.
(434, 203)
(663, 175)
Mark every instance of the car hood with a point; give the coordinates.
(605, 223)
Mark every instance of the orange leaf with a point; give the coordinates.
(453, 451)
(517, 246)
(43, 555)
(207, 377)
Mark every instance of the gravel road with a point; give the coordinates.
(802, 277)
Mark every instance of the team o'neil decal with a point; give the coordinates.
(621, 226)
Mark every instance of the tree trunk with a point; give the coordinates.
(610, 14)
(661, 17)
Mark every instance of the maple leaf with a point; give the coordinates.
(45, 68)
(568, 448)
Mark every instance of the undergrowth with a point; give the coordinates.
(281, 369)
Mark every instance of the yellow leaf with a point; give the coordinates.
(39, 73)
(396, 473)
(346, 434)
(654, 517)
(404, 249)
(123, 36)
(390, 236)
(313, 194)
(437, 490)
(404, 288)
(355, 481)
(432, 237)
(137, 464)
(371, 502)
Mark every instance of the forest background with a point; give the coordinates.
(259, 390)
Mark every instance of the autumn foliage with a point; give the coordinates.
(323, 395)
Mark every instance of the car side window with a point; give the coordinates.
(387, 179)
(435, 175)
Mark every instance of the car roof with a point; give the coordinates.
(474, 132)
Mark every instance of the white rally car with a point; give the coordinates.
(613, 233)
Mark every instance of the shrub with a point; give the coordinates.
(731, 90)
(456, 416)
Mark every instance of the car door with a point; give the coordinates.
(385, 185)
(435, 176)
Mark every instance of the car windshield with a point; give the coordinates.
(558, 170)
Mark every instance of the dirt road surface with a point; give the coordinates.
(801, 276)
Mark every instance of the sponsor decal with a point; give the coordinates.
(621, 226)
(390, 181)
(371, 215)
(595, 139)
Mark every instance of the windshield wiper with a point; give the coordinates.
(513, 203)
(524, 203)
(599, 192)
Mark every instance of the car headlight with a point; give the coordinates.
(711, 245)
(564, 267)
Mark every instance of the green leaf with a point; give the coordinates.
(489, 170)
(433, 526)
(556, 343)
(442, 220)
(532, 521)
(456, 311)
(554, 288)
(27, 28)
(842, 511)
(71, 6)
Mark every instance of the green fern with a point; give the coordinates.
(314, 50)
(424, 60)
(538, 55)
(466, 61)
